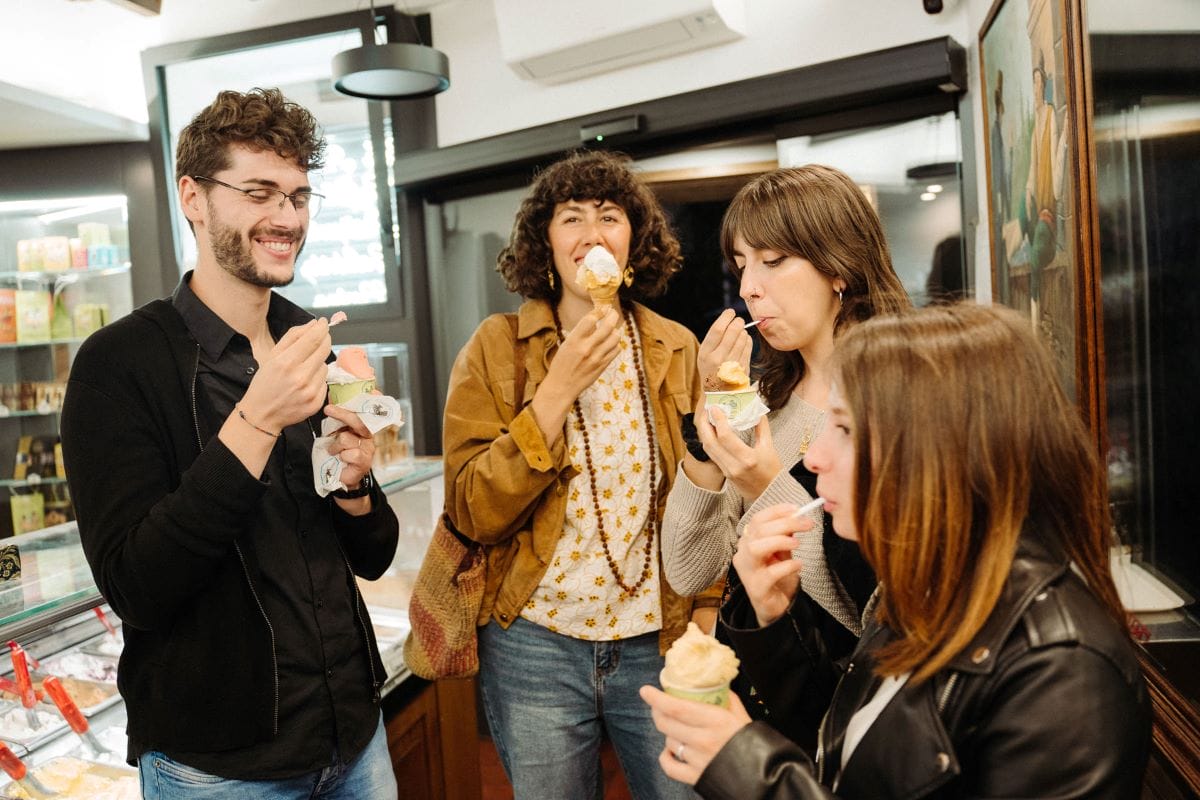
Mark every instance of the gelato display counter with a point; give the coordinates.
(50, 607)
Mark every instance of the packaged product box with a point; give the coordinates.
(61, 326)
(8, 315)
(89, 318)
(33, 315)
(28, 512)
(29, 255)
(56, 253)
(93, 233)
(78, 254)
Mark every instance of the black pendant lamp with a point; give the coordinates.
(391, 71)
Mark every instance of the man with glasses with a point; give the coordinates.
(250, 668)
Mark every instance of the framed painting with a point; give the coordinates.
(1038, 180)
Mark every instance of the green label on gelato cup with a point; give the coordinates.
(341, 392)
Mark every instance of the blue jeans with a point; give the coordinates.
(367, 777)
(547, 698)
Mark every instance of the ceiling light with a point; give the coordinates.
(927, 196)
(393, 71)
(934, 187)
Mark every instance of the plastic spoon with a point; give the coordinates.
(16, 770)
(24, 684)
(71, 713)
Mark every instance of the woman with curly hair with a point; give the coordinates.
(561, 437)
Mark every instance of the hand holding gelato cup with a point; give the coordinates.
(699, 668)
(350, 376)
(600, 275)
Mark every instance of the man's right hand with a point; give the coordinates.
(289, 386)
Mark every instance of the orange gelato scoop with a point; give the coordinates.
(354, 360)
(732, 377)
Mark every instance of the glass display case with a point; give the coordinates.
(64, 273)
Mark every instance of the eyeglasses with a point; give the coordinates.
(303, 202)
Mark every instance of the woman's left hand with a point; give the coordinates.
(353, 444)
(695, 732)
(750, 468)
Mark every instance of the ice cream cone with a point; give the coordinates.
(604, 297)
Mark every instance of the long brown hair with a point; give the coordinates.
(654, 252)
(819, 214)
(964, 440)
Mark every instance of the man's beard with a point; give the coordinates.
(232, 252)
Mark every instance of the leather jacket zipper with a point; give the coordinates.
(242, 559)
(944, 697)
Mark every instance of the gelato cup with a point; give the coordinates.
(698, 667)
(712, 695)
(341, 392)
(732, 402)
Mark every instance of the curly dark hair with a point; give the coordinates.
(819, 214)
(260, 119)
(654, 252)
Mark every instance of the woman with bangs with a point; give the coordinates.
(955, 460)
(561, 438)
(812, 260)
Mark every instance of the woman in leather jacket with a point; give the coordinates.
(995, 659)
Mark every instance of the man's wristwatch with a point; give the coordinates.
(362, 490)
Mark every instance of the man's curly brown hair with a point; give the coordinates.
(260, 119)
(654, 252)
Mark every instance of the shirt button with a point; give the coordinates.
(251, 370)
(329, 673)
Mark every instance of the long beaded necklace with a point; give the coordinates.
(652, 514)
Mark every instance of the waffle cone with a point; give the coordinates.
(604, 297)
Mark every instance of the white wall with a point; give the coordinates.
(487, 98)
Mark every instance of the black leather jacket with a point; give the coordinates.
(1046, 701)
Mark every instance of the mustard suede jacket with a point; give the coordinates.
(506, 488)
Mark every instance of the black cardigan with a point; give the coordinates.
(160, 517)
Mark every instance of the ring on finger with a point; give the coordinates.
(679, 751)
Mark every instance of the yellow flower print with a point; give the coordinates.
(628, 537)
(612, 622)
(560, 596)
(576, 555)
(629, 384)
(590, 622)
(552, 613)
(560, 577)
(530, 604)
(649, 617)
(607, 494)
(599, 580)
(580, 513)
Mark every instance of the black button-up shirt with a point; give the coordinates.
(304, 583)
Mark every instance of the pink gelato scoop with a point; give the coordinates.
(354, 360)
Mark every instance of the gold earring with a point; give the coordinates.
(550, 277)
(628, 275)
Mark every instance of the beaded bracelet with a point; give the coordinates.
(252, 425)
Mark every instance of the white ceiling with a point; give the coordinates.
(70, 70)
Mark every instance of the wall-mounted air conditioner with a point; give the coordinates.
(552, 41)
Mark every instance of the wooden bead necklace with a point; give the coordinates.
(652, 514)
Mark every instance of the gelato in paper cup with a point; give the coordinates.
(350, 376)
(698, 667)
(734, 402)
